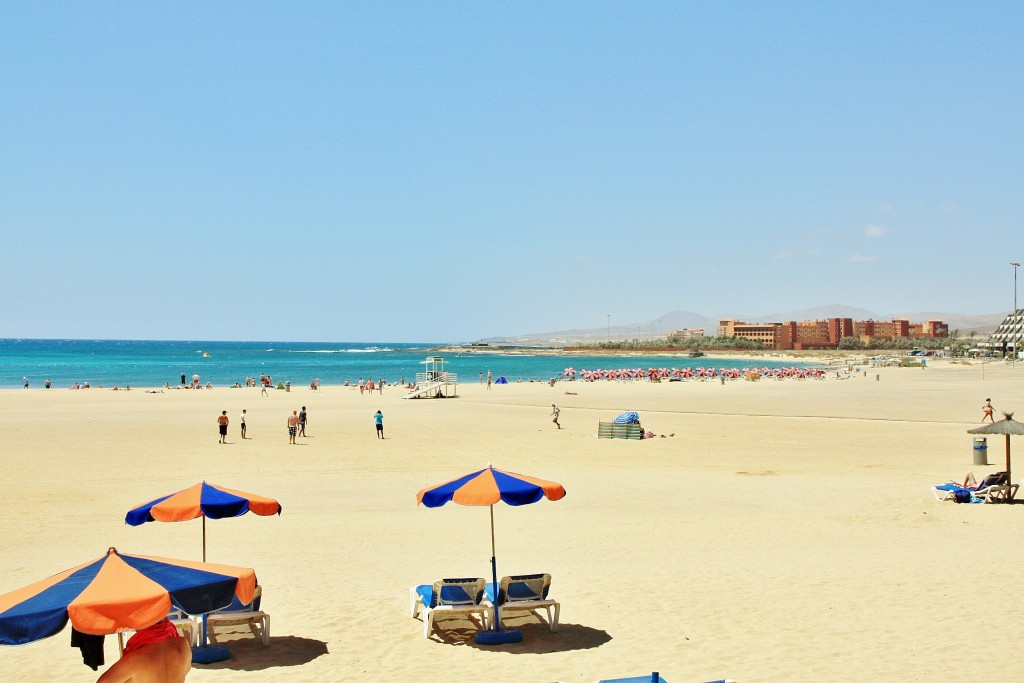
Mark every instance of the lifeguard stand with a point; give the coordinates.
(435, 382)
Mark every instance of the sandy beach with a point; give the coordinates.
(784, 531)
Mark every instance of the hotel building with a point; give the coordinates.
(826, 334)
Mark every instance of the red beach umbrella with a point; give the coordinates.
(202, 500)
(487, 487)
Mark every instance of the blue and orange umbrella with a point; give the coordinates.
(202, 500)
(119, 592)
(487, 487)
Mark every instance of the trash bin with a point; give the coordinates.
(287, 387)
(980, 450)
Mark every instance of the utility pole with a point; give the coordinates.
(1013, 318)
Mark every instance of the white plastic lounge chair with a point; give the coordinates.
(237, 614)
(186, 626)
(449, 596)
(992, 488)
(525, 592)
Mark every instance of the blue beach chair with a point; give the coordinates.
(452, 596)
(527, 592)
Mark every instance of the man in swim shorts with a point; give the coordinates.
(222, 423)
(555, 411)
(241, 420)
(293, 426)
(302, 421)
(156, 654)
(378, 419)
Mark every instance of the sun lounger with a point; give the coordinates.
(237, 614)
(449, 596)
(186, 626)
(992, 488)
(525, 592)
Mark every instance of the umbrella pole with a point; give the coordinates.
(204, 539)
(494, 575)
(1009, 480)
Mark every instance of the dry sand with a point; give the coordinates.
(785, 532)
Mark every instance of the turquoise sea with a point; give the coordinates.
(154, 363)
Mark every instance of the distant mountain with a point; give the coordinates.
(982, 323)
(818, 313)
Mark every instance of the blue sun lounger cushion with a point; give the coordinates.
(449, 595)
(526, 592)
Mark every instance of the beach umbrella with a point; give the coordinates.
(202, 500)
(119, 592)
(487, 487)
(569, 372)
(630, 417)
(1007, 427)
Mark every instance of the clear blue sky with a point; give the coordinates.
(447, 171)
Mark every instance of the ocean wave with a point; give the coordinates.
(372, 349)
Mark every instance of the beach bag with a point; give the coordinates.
(962, 496)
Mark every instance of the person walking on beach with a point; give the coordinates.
(293, 426)
(488, 380)
(183, 379)
(362, 386)
(378, 419)
(25, 380)
(302, 421)
(222, 421)
(987, 410)
(555, 411)
(241, 421)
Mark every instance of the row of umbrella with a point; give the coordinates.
(119, 591)
(691, 373)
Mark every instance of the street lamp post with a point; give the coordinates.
(1013, 318)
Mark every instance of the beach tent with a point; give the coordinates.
(629, 417)
(501, 380)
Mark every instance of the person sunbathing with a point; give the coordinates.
(156, 654)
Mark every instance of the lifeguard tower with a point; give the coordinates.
(435, 382)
